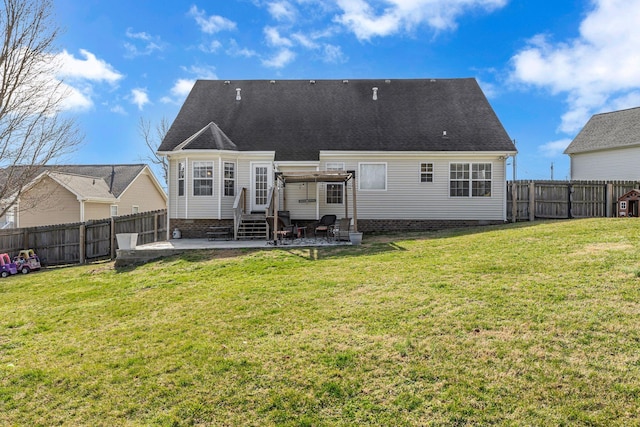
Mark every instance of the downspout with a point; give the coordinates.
(186, 186)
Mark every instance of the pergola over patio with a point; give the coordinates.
(327, 176)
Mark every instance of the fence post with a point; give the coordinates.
(514, 201)
(82, 241)
(112, 237)
(569, 201)
(532, 201)
(609, 200)
(155, 227)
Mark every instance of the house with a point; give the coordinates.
(78, 193)
(395, 154)
(607, 147)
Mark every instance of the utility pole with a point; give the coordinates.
(551, 171)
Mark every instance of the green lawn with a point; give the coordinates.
(526, 324)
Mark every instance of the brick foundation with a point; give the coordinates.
(196, 228)
(395, 225)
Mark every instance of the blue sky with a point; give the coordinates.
(546, 66)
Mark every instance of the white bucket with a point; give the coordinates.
(127, 240)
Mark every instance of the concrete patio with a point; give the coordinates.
(150, 251)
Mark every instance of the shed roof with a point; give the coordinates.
(608, 130)
(299, 118)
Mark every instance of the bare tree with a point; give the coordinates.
(153, 139)
(33, 132)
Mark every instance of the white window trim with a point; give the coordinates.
(471, 196)
(111, 209)
(193, 177)
(235, 181)
(334, 166)
(433, 174)
(135, 209)
(386, 176)
(183, 179)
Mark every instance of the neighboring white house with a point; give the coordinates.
(423, 153)
(607, 147)
(78, 193)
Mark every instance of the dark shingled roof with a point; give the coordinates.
(122, 178)
(608, 130)
(298, 118)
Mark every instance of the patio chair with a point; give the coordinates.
(341, 232)
(284, 231)
(324, 225)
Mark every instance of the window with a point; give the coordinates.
(180, 179)
(481, 180)
(470, 179)
(335, 191)
(203, 178)
(114, 210)
(426, 172)
(373, 176)
(229, 179)
(623, 205)
(135, 209)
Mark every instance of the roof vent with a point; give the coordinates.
(433, 80)
(227, 82)
(312, 82)
(238, 97)
(387, 81)
(375, 93)
(272, 82)
(345, 81)
(444, 134)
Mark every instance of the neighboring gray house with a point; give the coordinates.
(607, 147)
(420, 153)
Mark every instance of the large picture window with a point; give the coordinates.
(373, 176)
(229, 179)
(335, 192)
(470, 180)
(203, 178)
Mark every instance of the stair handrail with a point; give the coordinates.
(239, 209)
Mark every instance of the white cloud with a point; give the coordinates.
(596, 71)
(213, 47)
(367, 19)
(149, 43)
(182, 87)
(304, 40)
(90, 68)
(333, 54)
(275, 39)
(235, 50)
(282, 10)
(211, 24)
(554, 148)
(118, 109)
(139, 97)
(280, 59)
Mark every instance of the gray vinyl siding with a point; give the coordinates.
(407, 198)
(404, 198)
(215, 206)
(293, 196)
(614, 164)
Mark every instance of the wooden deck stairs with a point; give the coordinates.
(252, 227)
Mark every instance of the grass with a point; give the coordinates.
(525, 324)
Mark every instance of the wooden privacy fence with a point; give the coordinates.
(82, 242)
(564, 199)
